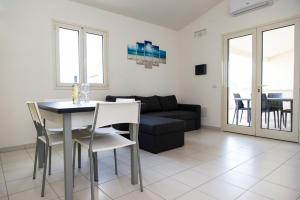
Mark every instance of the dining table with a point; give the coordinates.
(289, 100)
(69, 116)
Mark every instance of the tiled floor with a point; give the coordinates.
(211, 165)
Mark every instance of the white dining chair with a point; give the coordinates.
(107, 114)
(111, 129)
(49, 138)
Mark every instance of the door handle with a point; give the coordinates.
(258, 90)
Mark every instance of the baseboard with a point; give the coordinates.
(212, 128)
(17, 148)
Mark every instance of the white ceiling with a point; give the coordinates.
(174, 14)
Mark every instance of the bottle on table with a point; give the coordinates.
(75, 91)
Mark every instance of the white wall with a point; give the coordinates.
(206, 90)
(27, 66)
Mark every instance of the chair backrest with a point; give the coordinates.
(37, 119)
(275, 104)
(238, 103)
(264, 103)
(109, 113)
(120, 100)
(34, 112)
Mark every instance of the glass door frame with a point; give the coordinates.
(276, 134)
(225, 88)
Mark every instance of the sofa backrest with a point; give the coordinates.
(151, 103)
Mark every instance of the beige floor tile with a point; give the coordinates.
(21, 185)
(2, 179)
(286, 176)
(239, 179)
(204, 157)
(149, 176)
(81, 183)
(170, 168)
(195, 195)
(274, 191)
(210, 170)
(12, 157)
(86, 194)
(221, 190)
(3, 191)
(14, 165)
(118, 187)
(35, 194)
(191, 178)
(138, 195)
(252, 196)
(235, 162)
(15, 174)
(169, 188)
(252, 170)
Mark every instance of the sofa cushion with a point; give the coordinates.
(175, 114)
(149, 104)
(168, 103)
(114, 98)
(154, 125)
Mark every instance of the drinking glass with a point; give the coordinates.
(85, 90)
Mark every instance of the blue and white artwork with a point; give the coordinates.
(155, 50)
(140, 53)
(162, 57)
(147, 54)
(131, 52)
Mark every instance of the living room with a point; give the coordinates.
(194, 142)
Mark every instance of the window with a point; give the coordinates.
(81, 52)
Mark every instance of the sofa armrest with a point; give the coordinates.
(192, 108)
(189, 107)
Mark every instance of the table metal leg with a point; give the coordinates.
(68, 175)
(133, 128)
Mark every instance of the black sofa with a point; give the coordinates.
(163, 121)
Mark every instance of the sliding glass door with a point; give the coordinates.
(261, 81)
(240, 65)
(278, 83)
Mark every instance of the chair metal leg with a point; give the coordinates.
(237, 117)
(274, 119)
(268, 126)
(281, 120)
(140, 168)
(116, 162)
(274, 114)
(234, 116)
(45, 170)
(35, 158)
(79, 155)
(278, 119)
(249, 117)
(74, 159)
(285, 123)
(50, 157)
(265, 117)
(95, 157)
(241, 116)
(91, 158)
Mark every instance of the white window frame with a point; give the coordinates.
(82, 55)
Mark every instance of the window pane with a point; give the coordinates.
(94, 56)
(68, 55)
